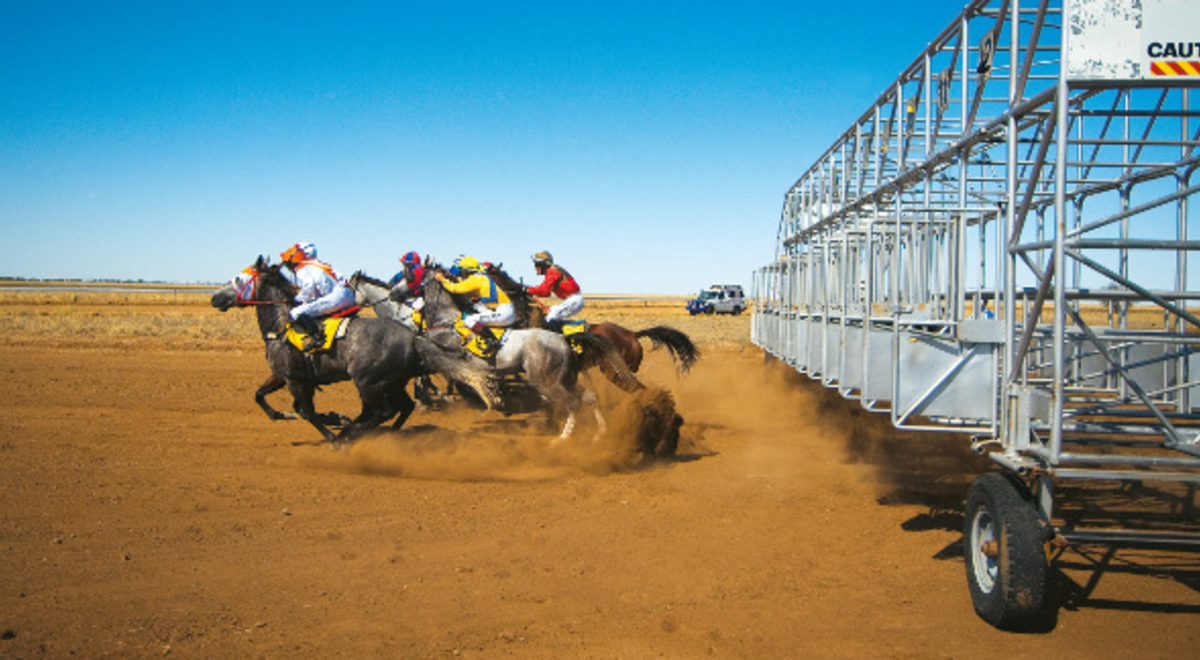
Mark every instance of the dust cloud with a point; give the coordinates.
(464, 444)
(789, 424)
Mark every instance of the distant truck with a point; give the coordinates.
(718, 299)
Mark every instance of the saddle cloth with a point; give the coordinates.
(474, 344)
(574, 327)
(335, 328)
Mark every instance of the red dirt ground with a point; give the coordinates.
(150, 509)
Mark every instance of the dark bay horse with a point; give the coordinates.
(379, 356)
(530, 314)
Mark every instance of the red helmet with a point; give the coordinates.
(411, 259)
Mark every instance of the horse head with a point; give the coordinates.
(368, 291)
(261, 283)
(441, 307)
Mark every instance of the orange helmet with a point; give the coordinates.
(298, 253)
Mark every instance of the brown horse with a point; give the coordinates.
(531, 314)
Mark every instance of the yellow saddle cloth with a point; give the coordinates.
(334, 329)
(572, 328)
(473, 343)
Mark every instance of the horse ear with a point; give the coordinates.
(262, 263)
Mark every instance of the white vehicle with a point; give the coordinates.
(719, 299)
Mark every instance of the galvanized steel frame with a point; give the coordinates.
(946, 258)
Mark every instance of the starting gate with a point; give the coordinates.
(1002, 246)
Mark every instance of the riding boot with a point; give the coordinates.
(555, 326)
(486, 339)
(315, 331)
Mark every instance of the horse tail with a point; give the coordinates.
(597, 351)
(680, 345)
(457, 367)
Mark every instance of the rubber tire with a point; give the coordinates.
(1010, 587)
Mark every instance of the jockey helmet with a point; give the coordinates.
(298, 253)
(468, 264)
(543, 259)
(411, 259)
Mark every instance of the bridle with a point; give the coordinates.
(243, 299)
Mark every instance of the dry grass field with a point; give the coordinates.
(150, 509)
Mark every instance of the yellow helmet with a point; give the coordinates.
(469, 264)
(543, 259)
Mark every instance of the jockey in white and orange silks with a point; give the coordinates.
(321, 291)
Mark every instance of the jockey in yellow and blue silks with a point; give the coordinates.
(492, 306)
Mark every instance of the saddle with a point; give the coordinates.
(334, 328)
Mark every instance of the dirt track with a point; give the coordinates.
(150, 509)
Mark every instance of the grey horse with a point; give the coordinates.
(546, 360)
(379, 356)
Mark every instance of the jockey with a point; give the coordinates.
(493, 307)
(320, 291)
(558, 281)
(411, 274)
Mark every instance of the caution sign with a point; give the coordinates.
(1147, 40)
(1171, 37)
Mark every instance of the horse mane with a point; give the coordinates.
(270, 277)
(368, 279)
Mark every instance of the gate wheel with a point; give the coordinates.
(1005, 550)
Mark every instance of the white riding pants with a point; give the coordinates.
(340, 298)
(564, 310)
(504, 314)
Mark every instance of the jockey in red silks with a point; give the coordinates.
(556, 280)
(412, 272)
(320, 291)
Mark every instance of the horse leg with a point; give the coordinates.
(568, 399)
(403, 403)
(568, 429)
(424, 390)
(590, 398)
(272, 384)
(302, 403)
(376, 409)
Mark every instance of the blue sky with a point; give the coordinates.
(647, 145)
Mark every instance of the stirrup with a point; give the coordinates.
(313, 343)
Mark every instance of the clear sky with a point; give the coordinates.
(647, 144)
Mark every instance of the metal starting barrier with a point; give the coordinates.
(1004, 245)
